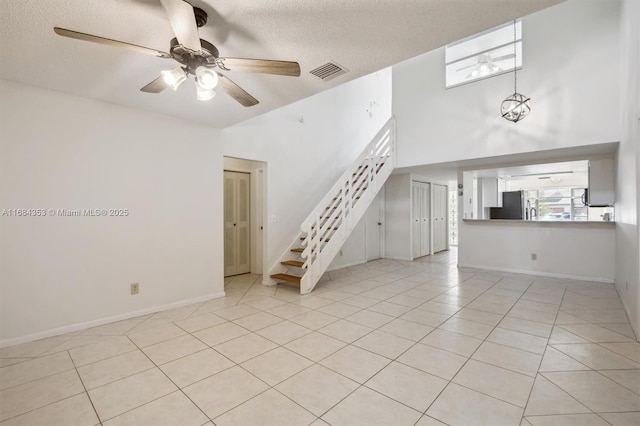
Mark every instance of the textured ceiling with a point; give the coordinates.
(362, 35)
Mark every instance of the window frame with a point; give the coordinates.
(487, 48)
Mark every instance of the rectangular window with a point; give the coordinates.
(483, 55)
(557, 204)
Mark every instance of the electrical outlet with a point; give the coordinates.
(135, 288)
(534, 256)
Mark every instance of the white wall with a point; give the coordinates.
(570, 70)
(304, 159)
(571, 52)
(63, 152)
(628, 167)
(398, 235)
(366, 241)
(571, 250)
(354, 249)
(59, 151)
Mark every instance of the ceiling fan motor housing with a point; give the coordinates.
(193, 60)
(201, 17)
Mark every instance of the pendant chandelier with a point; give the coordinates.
(515, 107)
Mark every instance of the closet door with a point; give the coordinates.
(243, 213)
(420, 213)
(440, 218)
(237, 259)
(416, 219)
(425, 213)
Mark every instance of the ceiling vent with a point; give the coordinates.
(328, 71)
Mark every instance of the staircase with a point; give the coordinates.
(327, 228)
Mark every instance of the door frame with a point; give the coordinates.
(417, 179)
(258, 207)
(237, 177)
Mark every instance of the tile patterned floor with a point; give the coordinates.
(388, 342)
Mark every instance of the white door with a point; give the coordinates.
(440, 218)
(259, 227)
(375, 227)
(237, 258)
(420, 214)
(416, 219)
(425, 210)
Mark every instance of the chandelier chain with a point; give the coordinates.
(515, 70)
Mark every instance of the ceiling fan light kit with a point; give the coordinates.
(206, 78)
(174, 77)
(204, 94)
(517, 106)
(195, 56)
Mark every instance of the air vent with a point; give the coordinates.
(328, 71)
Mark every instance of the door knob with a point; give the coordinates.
(379, 223)
(234, 224)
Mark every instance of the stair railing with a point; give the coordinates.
(325, 230)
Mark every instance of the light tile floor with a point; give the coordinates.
(388, 342)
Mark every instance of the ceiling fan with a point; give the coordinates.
(196, 57)
(485, 65)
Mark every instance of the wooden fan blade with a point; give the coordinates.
(265, 66)
(183, 22)
(156, 86)
(236, 92)
(109, 42)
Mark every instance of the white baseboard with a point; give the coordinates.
(538, 273)
(404, 259)
(106, 320)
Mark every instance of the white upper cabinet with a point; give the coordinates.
(492, 189)
(601, 183)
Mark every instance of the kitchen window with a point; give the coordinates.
(563, 204)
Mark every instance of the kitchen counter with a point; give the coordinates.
(550, 222)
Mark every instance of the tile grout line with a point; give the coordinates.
(471, 355)
(85, 388)
(398, 356)
(544, 353)
(288, 300)
(54, 402)
(235, 364)
(360, 385)
(554, 384)
(160, 397)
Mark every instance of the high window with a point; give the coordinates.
(483, 55)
